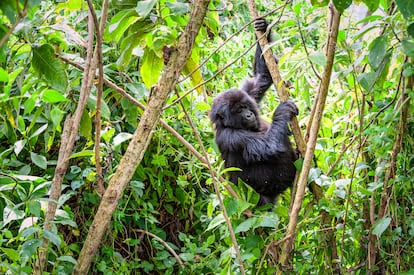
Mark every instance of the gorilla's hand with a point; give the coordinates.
(286, 110)
(260, 24)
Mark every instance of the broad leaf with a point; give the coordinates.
(378, 50)
(406, 7)
(39, 160)
(29, 247)
(151, 68)
(380, 226)
(408, 47)
(371, 4)
(47, 65)
(52, 96)
(145, 7)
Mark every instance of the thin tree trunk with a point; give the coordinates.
(141, 139)
(70, 131)
(310, 148)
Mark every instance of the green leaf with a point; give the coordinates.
(377, 52)
(342, 5)
(406, 7)
(52, 96)
(196, 78)
(145, 7)
(56, 115)
(29, 247)
(219, 219)
(40, 130)
(270, 220)
(53, 237)
(86, 125)
(34, 207)
(320, 3)
(178, 8)
(408, 47)
(380, 226)
(120, 138)
(318, 58)
(371, 4)
(19, 145)
(4, 76)
(38, 160)
(410, 30)
(105, 112)
(11, 214)
(83, 153)
(68, 259)
(47, 65)
(151, 68)
(10, 253)
(245, 225)
(119, 24)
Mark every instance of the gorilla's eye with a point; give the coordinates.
(241, 108)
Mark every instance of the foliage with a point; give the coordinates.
(171, 194)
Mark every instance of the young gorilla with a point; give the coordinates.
(261, 150)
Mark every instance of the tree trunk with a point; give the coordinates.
(141, 139)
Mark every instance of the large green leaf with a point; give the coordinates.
(145, 7)
(378, 50)
(47, 65)
(406, 7)
(151, 68)
(39, 160)
(196, 77)
(380, 226)
(119, 24)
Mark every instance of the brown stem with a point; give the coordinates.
(216, 190)
(322, 92)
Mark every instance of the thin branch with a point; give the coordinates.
(21, 15)
(303, 179)
(164, 243)
(216, 189)
(99, 33)
(276, 76)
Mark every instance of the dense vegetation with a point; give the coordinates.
(169, 219)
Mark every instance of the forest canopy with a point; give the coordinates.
(108, 162)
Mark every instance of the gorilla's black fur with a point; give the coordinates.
(261, 150)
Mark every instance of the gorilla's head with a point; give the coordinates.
(235, 109)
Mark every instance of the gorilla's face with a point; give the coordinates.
(235, 109)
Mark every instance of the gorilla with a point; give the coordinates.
(262, 151)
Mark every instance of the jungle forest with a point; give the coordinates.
(122, 150)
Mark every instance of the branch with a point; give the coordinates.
(21, 15)
(71, 127)
(141, 138)
(216, 189)
(320, 104)
(275, 73)
(164, 243)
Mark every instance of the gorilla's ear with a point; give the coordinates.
(218, 112)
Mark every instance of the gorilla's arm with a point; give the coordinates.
(257, 146)
(261, 81)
